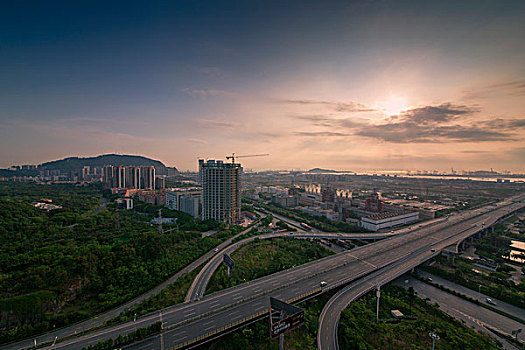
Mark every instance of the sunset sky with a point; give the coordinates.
(362, 85)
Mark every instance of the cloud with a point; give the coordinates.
(473, 151)
(320, 133)
(501, 123)
(513, 88)
(211, 71)
(336, 106)
(199, 141)
(442, 123)
(435, 114)
(218, 123)
(205, 93)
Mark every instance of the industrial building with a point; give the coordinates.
(221, 190)
(387, 220)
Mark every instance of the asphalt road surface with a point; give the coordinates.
(198, 287)
(101, 319)
(501, 305)
(473, 315)
(227, 308)
(329, 318)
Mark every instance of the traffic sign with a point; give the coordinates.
(228, 261)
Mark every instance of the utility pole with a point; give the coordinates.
(281, 337)
(161, 330)
(378, 295)
(434, 337)
(160, 230)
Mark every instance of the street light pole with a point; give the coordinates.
(434, 337)
(378, 295)
(161, 331)
(479, 291)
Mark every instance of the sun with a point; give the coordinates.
(393, 105)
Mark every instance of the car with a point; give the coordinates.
(216, 250)
(429, 279)
(323, 284)
(432, 250)
(490, 301)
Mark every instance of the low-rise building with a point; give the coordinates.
(124, 203)
(152, 197)
(286, 201)
(389, 219)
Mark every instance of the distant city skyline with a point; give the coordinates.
(357, 85)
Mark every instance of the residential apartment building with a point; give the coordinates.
(221, 190)
(129, 177)
(187, 200)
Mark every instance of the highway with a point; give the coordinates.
(501, 305)
(101, 319)
(198, 287)
(329, 318)
(225, 310)
(474, 315)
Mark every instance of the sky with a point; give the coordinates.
(347, 85)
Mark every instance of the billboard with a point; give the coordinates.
(292, 316)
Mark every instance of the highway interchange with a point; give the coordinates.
(329, 318)
(363, 267)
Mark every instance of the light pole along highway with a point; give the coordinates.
(221, 312)
(329, 318)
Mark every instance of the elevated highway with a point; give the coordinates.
(329, 319)
(190, 324)
(198, 287)
(101, 319)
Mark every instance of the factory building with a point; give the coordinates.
(387, 220)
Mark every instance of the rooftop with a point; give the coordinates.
(387, 215)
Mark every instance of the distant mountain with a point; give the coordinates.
(320, 170)
(74, 163)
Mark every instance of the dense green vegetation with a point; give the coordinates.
(65, 265)
(358, 328)
(264, 257)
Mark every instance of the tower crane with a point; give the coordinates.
(233, 156)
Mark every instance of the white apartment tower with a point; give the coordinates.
(221, 190)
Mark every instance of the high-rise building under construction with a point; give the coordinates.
(221, 190)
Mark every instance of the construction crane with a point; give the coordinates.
(233, 156)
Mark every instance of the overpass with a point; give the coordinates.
(100, 319)
(331, 313)
(190, 324)
(198, 287)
